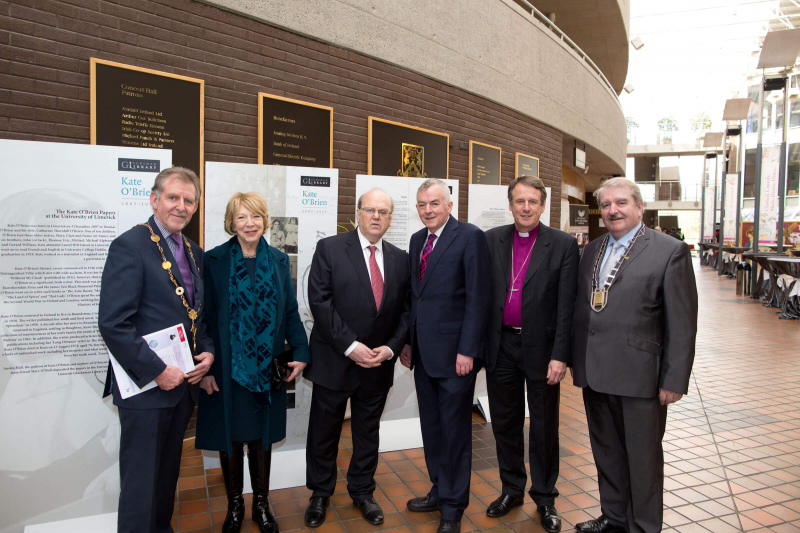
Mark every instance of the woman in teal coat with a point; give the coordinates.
(251, 314)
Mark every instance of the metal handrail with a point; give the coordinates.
(563, 36)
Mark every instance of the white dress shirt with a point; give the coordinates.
(365, 244)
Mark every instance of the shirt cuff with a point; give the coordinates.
(349, 350)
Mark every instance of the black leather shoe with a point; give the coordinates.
(599, 525)
(423, 504)
(315, 513)
(502, 505)
(371, 511)
(449, 526)
(550, 520)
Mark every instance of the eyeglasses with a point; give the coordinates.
(370, 211)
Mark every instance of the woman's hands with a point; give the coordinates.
(297, 369)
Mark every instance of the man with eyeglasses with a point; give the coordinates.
(359, 294)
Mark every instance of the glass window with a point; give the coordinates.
(793, 176)
(752, 120)
(750, 173)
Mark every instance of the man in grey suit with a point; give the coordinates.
(534, 276)
(152, 280)
(633, 348)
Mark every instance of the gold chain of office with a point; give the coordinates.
(166, 265)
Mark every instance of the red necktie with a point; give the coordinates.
(426, 252)
(377, 279)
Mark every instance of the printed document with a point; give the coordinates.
(170, 345)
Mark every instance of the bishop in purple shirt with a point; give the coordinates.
(534, 279)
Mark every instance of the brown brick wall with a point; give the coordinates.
(45, 46)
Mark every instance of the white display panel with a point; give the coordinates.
(61, 205)
(303, 205)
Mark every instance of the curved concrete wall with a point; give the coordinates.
(487, 47)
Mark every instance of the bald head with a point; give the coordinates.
(374, 214)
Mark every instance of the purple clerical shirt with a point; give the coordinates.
(512, 308)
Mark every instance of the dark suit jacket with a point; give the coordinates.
(137, 298)
(548, 296)
(214, 412)
(449, 308)
(341, 300)
(644, 339)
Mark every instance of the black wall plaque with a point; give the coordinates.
(399, 150)
(138, 107)
(484, 164)
(526, 165)
(294, 133)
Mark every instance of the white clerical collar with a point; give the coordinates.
(524, 235)
(365, 243)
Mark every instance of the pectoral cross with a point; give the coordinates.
(511, 293)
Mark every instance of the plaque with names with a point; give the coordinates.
(526, 165)
(294, 133)
(139, 107)
(484, 164)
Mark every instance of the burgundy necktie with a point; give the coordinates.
(377, 279)
(183, 265)
(426, 252)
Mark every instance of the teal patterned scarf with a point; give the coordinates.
(253, 312)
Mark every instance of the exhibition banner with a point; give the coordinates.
(710, 217)
(487, 206)
(61, 205)
(579, 223)
(302, 204)
(731, 207)
(769, 199)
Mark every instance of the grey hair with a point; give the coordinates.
(615, 183)
(430, 182)
(391, 201)
(181, 174)
(530, 181)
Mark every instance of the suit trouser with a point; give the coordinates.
(328, 407)
(149, 464)
(506, 388)
(445, 413)
(626, 436)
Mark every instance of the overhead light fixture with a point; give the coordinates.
(637, 43)
(628, 88)
(586, 170)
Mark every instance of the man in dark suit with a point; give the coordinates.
(450, 276)
(534, 276)
(633, 348)
(152, 280)
(358, 292)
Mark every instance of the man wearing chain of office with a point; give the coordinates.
(632, 352)
(152, 280)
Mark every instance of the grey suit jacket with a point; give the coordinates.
(548, 296)
(644, 339)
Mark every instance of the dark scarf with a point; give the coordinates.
(252, 320)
